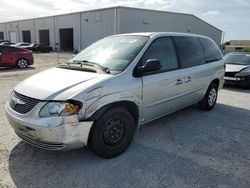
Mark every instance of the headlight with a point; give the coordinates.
(245, 72)
(242, 74)
(60, 109)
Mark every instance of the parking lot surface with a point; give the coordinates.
(189, 148)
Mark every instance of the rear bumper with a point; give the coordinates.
(57, 133)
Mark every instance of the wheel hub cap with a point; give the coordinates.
(114, 132)
(212, 96)
(22, 63)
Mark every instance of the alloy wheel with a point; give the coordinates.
(22, 63)
(212, 96)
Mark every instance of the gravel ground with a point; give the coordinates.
(189, 148)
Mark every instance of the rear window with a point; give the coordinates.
(190, 51)
(211, 51)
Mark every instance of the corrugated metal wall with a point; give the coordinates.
(90, 26)
(96, 25)
(138, 20)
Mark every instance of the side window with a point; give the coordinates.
(10, 49)
(15, 50)
(190, 51)
(211, 51)
(163, 50)
(6, 49)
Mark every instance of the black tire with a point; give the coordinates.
(112, 133)
(22, 63)
(209, 100)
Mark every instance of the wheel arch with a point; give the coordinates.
(128, 105)
(21, 58)
(216, 81)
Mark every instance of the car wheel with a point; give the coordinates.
(22, 63)
(112, 133)
(209, 100)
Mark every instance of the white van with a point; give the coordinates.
(101, 96)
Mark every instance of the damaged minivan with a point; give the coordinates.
(101, 96)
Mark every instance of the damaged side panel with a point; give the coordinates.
(103, 96)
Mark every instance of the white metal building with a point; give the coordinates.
(77, 30)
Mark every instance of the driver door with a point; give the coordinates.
(161, 89)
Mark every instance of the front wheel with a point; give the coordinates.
(210, 98)
(112, 133)
(22, 63)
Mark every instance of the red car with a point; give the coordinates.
(15, 57)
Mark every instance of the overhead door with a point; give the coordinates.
(26, 36)
(66, 39)
(44, 37)
(13, 37)
(1, 35)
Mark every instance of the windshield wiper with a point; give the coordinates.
(75, 66)
(85, 62)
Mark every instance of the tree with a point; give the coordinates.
(246, 49)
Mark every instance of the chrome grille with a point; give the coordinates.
(22, 104)
(230, 74)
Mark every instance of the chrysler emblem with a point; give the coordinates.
(17, 101)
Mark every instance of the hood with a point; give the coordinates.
(58, 83)
(235, 68)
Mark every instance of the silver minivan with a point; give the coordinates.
(101, 96)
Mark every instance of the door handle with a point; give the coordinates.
(179, 81)
(188, 79)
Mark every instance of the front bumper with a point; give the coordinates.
(52, 133)
(240, 81)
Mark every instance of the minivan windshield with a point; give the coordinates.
(241, 59)
(114, 53)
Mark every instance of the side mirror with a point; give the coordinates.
(150, 66)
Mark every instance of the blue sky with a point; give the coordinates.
(232, 17)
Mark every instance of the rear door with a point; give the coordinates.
(194, 73)
(160, 88)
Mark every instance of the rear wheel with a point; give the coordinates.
(209, 100)
(22, 63)
(112, 133)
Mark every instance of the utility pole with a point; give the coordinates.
(223, 37)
